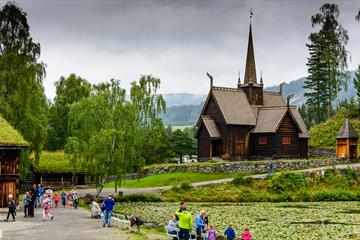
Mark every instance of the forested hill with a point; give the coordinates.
(184, 108)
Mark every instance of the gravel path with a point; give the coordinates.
(127, 191)
(68, 224)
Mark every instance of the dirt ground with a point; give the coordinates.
(68, 224)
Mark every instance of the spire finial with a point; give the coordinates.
(251, 12)
(261, 79)
(239, 81)
(211, 79)
(250, 68)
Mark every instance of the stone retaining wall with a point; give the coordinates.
(243, 166)
(321, 153)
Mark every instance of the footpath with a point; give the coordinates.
(128, 191)
(68, 224)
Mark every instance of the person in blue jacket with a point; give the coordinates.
(230, 233)
(200, 224)
(108, 206)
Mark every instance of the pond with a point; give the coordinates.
(320, 220)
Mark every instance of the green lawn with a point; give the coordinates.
(170, 179)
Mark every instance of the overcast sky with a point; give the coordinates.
(177, 41)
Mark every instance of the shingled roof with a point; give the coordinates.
(211, 126)
(9, 137)
(234, 106)
(269, 119)
(347, 131)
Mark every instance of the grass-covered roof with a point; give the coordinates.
(9, 136)
(54, 162)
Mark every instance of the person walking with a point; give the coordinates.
(25, 202)
(185, 222)
(108, 206)
(200, 224)
(12, 208)
(63, 198)
(40, 194)
(31, 204)
(46, 208)
(56, 200)
(35, 191)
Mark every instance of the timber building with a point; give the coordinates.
(247, 122)
(11, 143)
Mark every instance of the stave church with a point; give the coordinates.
(246, 122)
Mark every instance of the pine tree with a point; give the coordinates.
(315, 82)
(327, 64)
(357, 84)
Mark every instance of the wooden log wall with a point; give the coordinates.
(9, 175)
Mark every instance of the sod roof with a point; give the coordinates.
(9, 137)
(54, 162)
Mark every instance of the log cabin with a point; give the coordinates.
(11, 143)
(247, 122)
(347, 141)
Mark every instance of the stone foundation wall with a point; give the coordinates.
(242, 166)
(321, 153)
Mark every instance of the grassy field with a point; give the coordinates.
(170, 179)
(325, 220)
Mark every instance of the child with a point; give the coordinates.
(212, 234)
(246, 234)
(46, 208)
(172, 224)
(12, 208)
(63, 199)
(56, 200)
(229, 232)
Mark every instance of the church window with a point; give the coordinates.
(286, 140)
(262, 140)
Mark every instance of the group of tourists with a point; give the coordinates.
(38, 196)
(104, 211)
(183, 221)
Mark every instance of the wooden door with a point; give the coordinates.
(240, 147)
(6, 188)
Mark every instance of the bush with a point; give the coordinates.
(335, 195)
(289, 181)
(186, 186)
(138, 198)
(350, 174)
(240, 179)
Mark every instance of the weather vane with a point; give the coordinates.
(251, 11)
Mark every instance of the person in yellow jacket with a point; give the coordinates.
(185, 222)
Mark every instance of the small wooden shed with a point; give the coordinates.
(11, 143)
(347, 141)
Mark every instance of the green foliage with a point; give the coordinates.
(137, 198)
(324, 134)
(182, 143)
(289, 181)
(240, 179)
(68, 91)
(109, 133)
(22, 98)
(357, 83)
(327, 63)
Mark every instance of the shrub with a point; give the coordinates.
(186, 186)
(289, 181)
(240, 179)
(350, 174)
(335, 195)
(138, 198)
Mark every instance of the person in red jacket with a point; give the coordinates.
(56, 199)
(246, 234)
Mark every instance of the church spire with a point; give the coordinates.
(250, 69)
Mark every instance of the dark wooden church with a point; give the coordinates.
(249, 123)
